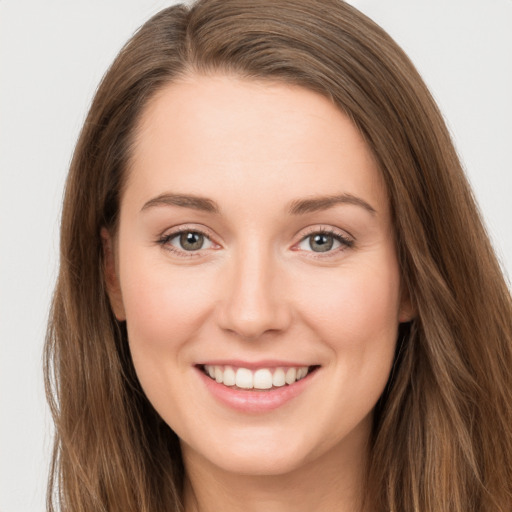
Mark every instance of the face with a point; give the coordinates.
(255, 267)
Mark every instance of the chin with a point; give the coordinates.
(260, 463)
(263, 453)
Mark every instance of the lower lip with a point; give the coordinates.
(256, 401)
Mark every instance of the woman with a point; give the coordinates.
(275, 288)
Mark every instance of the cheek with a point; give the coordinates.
(165, 310)
(356, 316)
(165, 307)
(354, 307)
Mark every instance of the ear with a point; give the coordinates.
(407, 311)
(111, 275)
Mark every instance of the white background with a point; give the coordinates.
(53, 54)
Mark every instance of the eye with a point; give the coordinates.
(322, 241)
(187, 241)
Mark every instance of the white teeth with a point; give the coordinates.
(263, 378)
(301, 373)
(229, 378)
(244, 378)
(291, 376)
(278, 378)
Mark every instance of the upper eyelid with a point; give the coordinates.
(164, 242)
(170, 233)
(326, 229)
(344, 238)
(192, 228)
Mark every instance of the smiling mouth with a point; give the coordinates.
(262, 379)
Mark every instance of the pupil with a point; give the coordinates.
(191, 241)
(321, 243)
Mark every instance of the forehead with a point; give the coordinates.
(252, 135)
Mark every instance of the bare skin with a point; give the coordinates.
(255, 232)
(340, 488)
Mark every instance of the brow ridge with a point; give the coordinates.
(297, 207)
(315, 204)
(184, 201)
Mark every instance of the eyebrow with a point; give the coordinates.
(297, 207)
(185, 201)
(315, 204)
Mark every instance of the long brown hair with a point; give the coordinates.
(442, 434)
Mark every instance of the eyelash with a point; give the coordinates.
(345, 241)
(165, 239)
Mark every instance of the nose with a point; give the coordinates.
(254, 300)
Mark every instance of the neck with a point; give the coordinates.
(332, 482)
